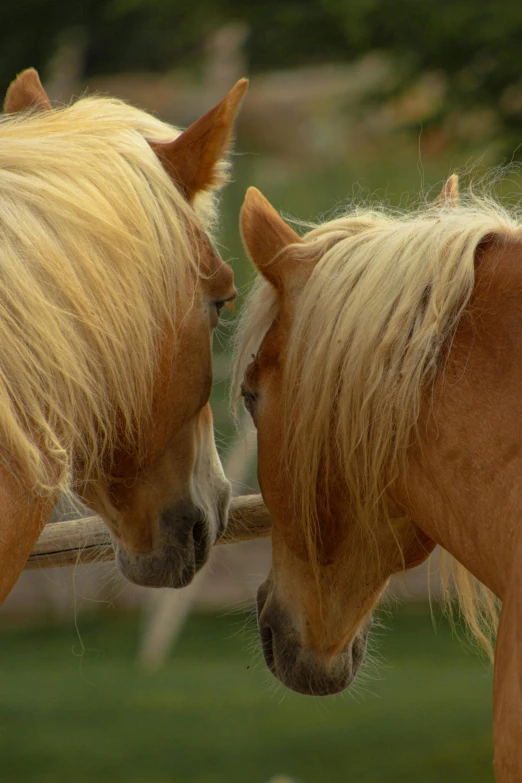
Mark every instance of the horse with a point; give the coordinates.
(110, 290)
(379, 358)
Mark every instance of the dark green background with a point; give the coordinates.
(476, 43)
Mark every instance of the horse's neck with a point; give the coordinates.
(464, 487)
(471, 513)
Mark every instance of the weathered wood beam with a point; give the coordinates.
(88, 540)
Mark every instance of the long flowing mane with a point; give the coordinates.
(95, 257)
(372, 327)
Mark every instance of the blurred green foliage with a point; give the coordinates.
(475, 43)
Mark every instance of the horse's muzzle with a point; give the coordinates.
(295, 665)
(184, 541)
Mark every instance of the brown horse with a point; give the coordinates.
(110, 289)
(385, 387)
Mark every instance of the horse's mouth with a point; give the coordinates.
(166, 567)
(304, 674)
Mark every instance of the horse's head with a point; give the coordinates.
(167, 510)
(156, 287)
(328, 571)
(166, 515)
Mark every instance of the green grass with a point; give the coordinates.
(214, 716)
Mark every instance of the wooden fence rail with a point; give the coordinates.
(88, 540)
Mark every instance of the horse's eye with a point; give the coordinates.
(228, 303)
(250, 401)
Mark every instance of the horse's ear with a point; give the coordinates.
(192, 159)
(265, 236)
(449, 195)
(26, 92)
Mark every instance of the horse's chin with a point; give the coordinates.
(302, 671)
(166, 567)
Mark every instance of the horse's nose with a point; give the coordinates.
(182, 545)
(200, 541)
(183, 525)
(267, 621)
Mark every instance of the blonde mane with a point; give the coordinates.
(370, 332)
(97, 253)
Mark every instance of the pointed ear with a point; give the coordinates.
(192, 159)
(26, 92)
(449, 195)
(265, 237)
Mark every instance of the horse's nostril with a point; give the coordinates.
(267, 644)
(358, 650)
(199, 538)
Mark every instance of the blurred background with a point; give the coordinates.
(349, 100)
